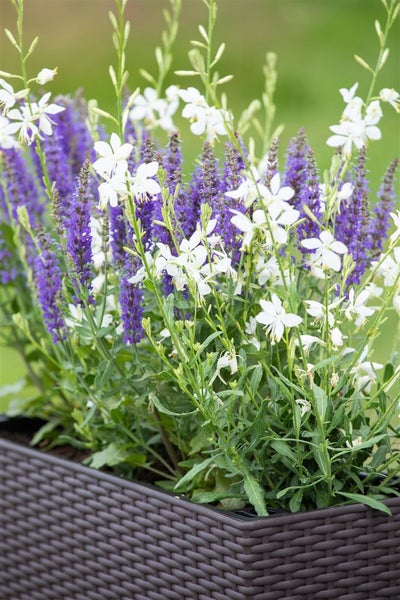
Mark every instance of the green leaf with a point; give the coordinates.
(195, 470)
(41, 433)
(295, 501)
(111, 455)
(167, 411)
(321, 461)
(368, 500)
(255, 380)
(208, 497)
(321, 399)
(255, 494)
(283, 449)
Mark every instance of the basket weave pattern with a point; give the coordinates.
(71, 533)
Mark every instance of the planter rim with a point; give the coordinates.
(243, 522)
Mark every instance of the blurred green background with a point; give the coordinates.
(315, 41)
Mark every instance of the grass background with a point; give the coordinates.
(315, 41)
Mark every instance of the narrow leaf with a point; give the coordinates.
(368, 500)
(255, 494)
(195, 470)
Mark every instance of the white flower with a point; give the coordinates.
(389, 269)
(228, 360)
(390, 96)
(275, 318)
(250, 330)
(268, 270)
(348, 95)
(305, 406)
(113, 155)
(336, 337)
(250, 190)
(145, 106)
(248, 226)
(7, 140)
(8, 97)
(142, 185)
(155, 111)
(396, 220)
(195, 103)
(322, 313)
(42, 110)
(115, 187)
(308, 340)
(205, 119)
(276, 194)
(327, 251)
(355, 306)
(364, 372)
(23, 122)
(357, 441)
(353, 128)
(281, 215)
(46, 75)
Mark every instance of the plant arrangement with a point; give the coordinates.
(212, 332)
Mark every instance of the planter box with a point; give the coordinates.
(72, 533)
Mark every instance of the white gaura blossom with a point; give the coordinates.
(7, 139)
(321, 313)
(23, 123)
(205, 119)
(250, 190)
(142, 184)
(268, 270)
(336, 336)
(250, 331)
(8, 98)
(396, 220)
(32, 119)
(355, 307)
(119, 183)
(389, 271)
(364, 372)
(391, 97)
(154, 111)
(192, 265)
(275, 318)
(271, 221)
(354, 127)
(327, 251)
(248, 226)
(307, 341)
(46, 75)
(277, 195)
(305, 406)
(113, 156)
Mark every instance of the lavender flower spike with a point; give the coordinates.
(79, 242)
(49, 288)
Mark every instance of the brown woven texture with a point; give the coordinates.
(71, 533)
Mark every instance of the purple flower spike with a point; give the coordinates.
(131, 305)
(59, 168)
(79, 237)
(352, 226)
(296, 167)
(379, 226)
(309, 196)
(49, 288)
(21, 187)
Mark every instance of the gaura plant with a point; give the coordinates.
(213, 331)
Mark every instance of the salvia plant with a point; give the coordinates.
(210, 332)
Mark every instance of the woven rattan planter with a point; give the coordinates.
(71, 533)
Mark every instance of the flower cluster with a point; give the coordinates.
(214, 327)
